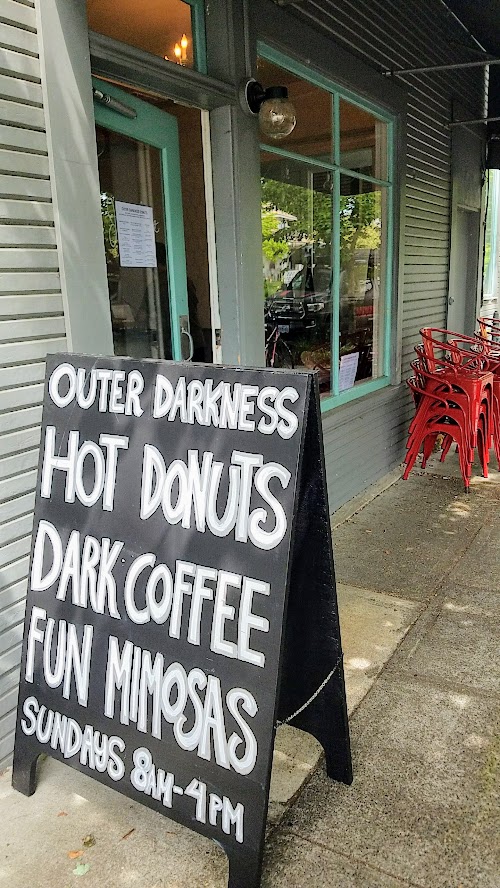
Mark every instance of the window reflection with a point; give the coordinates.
(361, 284)
(138, 296)
(296, 247)
(363, 141)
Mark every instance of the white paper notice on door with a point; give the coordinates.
(136, 235)
(348, 370)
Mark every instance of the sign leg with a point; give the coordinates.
(312, 648)
(245, 870)
(24, 770)
(326, 719)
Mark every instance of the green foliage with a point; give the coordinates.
(273, 248)
(109, 226)
(312, 210)
(270, 224)
(359, 222)
(310, 222)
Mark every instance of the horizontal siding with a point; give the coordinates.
(371, 440)
(22, 91)
(20, 483)
(362, 442)
(31, 325)
(18, 15)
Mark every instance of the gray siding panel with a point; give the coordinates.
(31, 325)
(366, 438)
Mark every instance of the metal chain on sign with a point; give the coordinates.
(316, 693)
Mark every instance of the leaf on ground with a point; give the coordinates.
(73, 855)
(62, 814)
(81, 869)
(89, 840)
(129, 833)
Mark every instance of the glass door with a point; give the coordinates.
(141, 207)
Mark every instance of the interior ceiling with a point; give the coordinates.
(153, 25)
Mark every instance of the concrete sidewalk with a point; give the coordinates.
(419, 573)
(424, 808)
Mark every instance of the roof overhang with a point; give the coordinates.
(482, 20)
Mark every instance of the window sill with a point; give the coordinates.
(329, 402)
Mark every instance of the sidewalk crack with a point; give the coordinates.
(356, 860)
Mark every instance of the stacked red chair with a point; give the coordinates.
(452, 388)
(489, 336)
(489, 330)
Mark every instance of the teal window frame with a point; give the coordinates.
(199, 34)
(160, 130)
(336, 398)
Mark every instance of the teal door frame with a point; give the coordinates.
(160, 130)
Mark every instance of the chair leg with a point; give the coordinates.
(429, 442)
(446, 446)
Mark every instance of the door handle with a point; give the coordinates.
(191, 345)
(184, 326)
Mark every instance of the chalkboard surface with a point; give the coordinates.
(170, 501)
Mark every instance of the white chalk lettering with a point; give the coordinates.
(102, 473)
(72, 658)
(226, 405)
(114, 390)
(187, 490)
(165, 692)
(88, 569)
(97, 751)
(182, 599)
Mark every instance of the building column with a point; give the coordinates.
(68, 105)
(236, 183)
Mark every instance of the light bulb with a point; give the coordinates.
(184, 45)
(277, 115)
(177, 51)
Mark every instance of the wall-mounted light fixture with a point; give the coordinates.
(276, 113)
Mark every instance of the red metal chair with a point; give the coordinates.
(466, 365)
(459, 401)
(462, 410)
(488, 350)
(435, 416)
(472, 386)
(489, 329)
(453, 394)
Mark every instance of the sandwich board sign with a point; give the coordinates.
(181, 595)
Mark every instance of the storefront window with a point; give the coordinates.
(326, 212)
(170, 29)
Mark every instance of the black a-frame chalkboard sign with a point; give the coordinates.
(181, 596)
